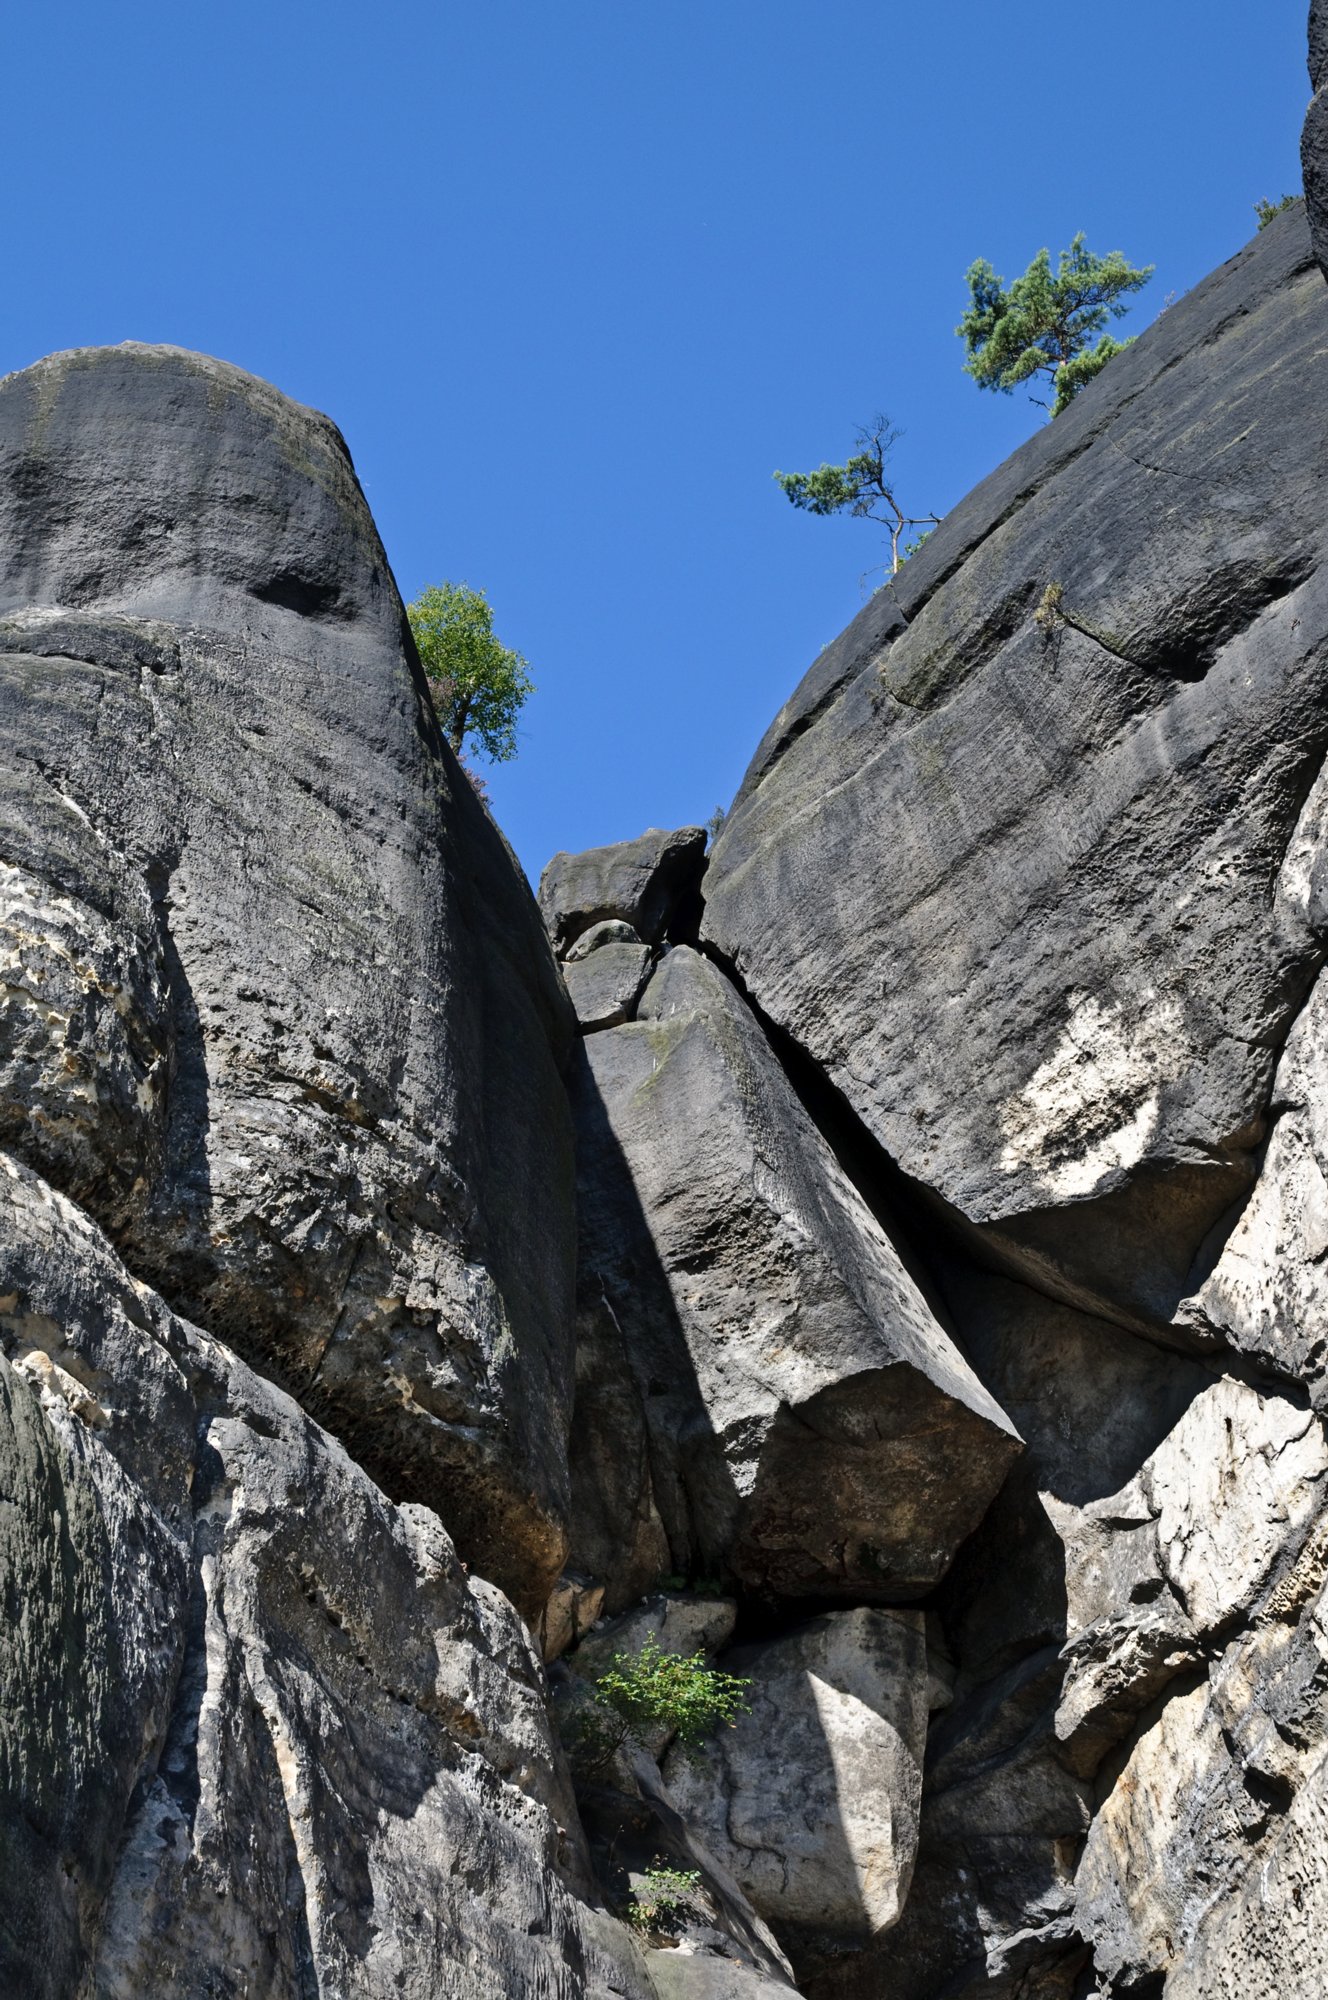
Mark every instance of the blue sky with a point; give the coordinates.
(574, 280)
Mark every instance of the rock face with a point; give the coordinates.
(1008, 880)
(277, 1009)
(261, 1734)
(944, 1281)
(811, 1430)
(811, 1800)
(1268, 1293)
(1314, 138)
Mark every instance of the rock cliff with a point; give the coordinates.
(881, 1257)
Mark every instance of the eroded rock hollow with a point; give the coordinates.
(878, 1254)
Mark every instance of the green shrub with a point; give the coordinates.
(662, 1896)
(672, 1691)
(638, 1695)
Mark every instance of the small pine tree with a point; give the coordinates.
(1266, 210)
(862, 488)
(1044, 323)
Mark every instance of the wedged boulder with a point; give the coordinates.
(261, 1733)
(991, 1910)
(645, 882)
(279, 1010)
(605, 985)
(1009, 886)
(812, 1430)
(1217, 1526)
(811, 1799)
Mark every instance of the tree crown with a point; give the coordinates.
(862, 487)
(479, 684)
(1045, 322)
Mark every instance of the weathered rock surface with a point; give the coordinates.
(1267, 1295)
(644, 882)
(1009, 883)
(278, 1009)
(1314, 137)
(812, 1430)
(1209, 1531)
(811, 1800)
(260, 1732)
(606, 984)
(1204, 1868)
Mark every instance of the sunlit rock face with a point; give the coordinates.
(261, 1733)
(881, 1259)
(278, 1009)
(1006, 867)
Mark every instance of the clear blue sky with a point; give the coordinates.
(574, 279)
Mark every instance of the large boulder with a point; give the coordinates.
(646, 882)
(278, 1010)
(812, 1430)
(1004, 870)
(811, 1799)
(261, 1734)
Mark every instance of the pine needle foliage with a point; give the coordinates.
(863, 487)
(1048, 323)
(479, 684)
(1267, 210)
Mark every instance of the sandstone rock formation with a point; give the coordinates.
(639, 882)
(278, 1011)
(940, 1274)
(1007, 879)
(811, 1799)
(261, 1734)
(811, 1429)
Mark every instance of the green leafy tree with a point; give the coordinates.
(1266, 210)
(863, 488)
(479, 684)
(1047, 323)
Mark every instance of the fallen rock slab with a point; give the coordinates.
(813, 1431)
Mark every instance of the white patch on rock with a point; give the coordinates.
(1092, 1107)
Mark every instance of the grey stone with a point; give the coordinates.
(261, 1733)
(616, 1533)
(279, 1010)
(812, 1430)
(811, 1799)
(1314, 136)
(1267, 1294)
(1009, 887)
(605, 986)
(1204, 1868)
(1206, 1532)
(611, 931)
(643, 882)
(691, 1975)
